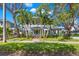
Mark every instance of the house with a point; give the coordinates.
(9, 25)
(42, 30)
(75, 29)
(38, 29)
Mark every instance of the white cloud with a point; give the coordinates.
(28, 4)
(33, 10)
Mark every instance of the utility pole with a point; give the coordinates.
(4, 22)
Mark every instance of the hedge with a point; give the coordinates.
(36, 47)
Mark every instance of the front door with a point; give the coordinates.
(37, 32)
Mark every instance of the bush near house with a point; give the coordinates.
(1, 30)
(8, 31)
(36, 49)
(76, 35)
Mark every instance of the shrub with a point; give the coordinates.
(1, 30)
(8, 31)
(75, 35)
(48, 48)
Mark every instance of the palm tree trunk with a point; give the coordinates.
(44, 30)
(4, 22)
(68, 28)
(16, 28)
(50, 30)
(26, 33)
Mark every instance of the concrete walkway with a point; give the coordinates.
(75, 37)
(35, 41)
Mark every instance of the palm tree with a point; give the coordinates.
(65, 19)
(23, 18)
(70, 16)
(3, 5)
(42, 12)
(19, 18)
(12, 7)
(63, 16)
(4, 22)
(74, 10)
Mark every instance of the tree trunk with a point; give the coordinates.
(50, 30)
(68, 28)
(16, 28)
(26, 31)
(4, 22)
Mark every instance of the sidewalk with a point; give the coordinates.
(44, 42)
(75, 37)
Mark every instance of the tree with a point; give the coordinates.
(44, 9)
(42, 12)
(12, 7)
(4, 22)
(24, 18)
(74, 11)
(67, 17)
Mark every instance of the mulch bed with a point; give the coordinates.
(24, 53)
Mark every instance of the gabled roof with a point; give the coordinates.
(12, 25)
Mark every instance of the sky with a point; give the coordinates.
(31, 7)
(1, 13)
